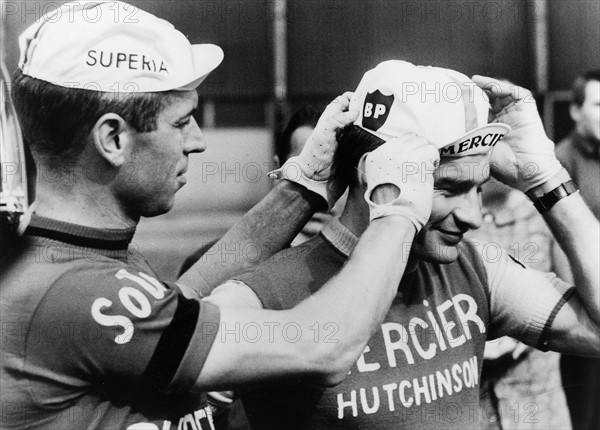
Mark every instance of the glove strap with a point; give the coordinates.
(545, 202)
(293, 173)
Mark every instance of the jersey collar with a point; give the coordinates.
(343, 240)
(80, 235)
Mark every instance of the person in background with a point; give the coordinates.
(580, 151)
(295, 134)
(580, 154)
(299, 127)
(520, 386)
(297, 130)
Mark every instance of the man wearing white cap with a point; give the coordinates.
(421, 369)
(90, 337)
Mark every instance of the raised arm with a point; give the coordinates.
(267, 228)
(278, 218)
(577, 326)
(536, 171)
(293, 344)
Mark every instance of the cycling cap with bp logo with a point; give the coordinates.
(444, 106)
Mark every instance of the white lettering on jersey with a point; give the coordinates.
(412, 328)
(401, 343)
(142, 309)
(363, 366)
(451, 326)
(469, 315)
(135, 301)
(197, 420)
(155, 288)
(408, 393)
(112, 320)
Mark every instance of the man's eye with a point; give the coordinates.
(449, 191)
(182, 124)
(442, 190)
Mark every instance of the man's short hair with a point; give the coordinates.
(307, 115)
(353, 143)
(578, 89)
(56, 120)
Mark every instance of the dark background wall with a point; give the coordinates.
(352, 36)
(332, 42)
(574, 39)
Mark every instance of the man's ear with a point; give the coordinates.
(360, 170)
(110, 136)
(575, 112)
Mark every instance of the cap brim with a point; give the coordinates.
(477, 141)
(207, 58)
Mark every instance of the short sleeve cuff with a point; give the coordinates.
(544, 311)
(545, 335)
(200, 344)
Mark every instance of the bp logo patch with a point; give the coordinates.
(376, 110)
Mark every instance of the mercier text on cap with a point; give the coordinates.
(442, 105)
(113, 46)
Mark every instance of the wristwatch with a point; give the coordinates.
(545, 202)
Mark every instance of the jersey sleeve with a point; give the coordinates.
(294, 274)
(117, 324)
(274, 290)
(523, 301)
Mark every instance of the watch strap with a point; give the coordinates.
(545, 202)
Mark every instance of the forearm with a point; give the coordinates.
(266, 229)
(578, 233)
(560, 264)
(356, 300)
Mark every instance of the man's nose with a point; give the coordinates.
(469, 210)
(195, 139)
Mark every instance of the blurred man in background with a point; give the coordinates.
(299, 127)
(291, 142)
(580, 151)
(580, 154)
(295, 134)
